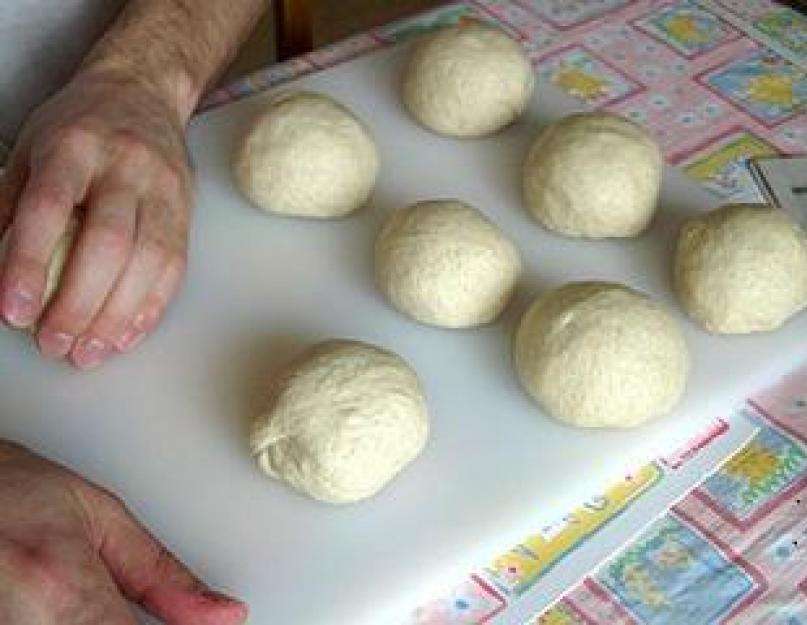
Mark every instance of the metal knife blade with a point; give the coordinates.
(783, 183)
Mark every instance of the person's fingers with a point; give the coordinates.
(154, 306)
(120, 323)
(92, 595)
(149, 574)
(56, 582)
(101, 252)
(56, 183)
(141, 296)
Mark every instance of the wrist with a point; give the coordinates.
(171, 85)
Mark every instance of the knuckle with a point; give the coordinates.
(132, 148)
(35, 569)
(74, 139)
(164, 562)
(46, 201)
(111, 240)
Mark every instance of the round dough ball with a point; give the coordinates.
(343, 419)
(593, 175)
(468, 80)
(445, 264)
(741, 268)
(307, 155)
(597, 354)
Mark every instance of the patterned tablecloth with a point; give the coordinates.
(716, 82)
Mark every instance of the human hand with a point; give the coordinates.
(110, 150)
(70, 552)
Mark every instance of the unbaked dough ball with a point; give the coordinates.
(57, 260)
(445, 264)
(742, 268)
(593, 175)
(343, 419)
(468, 80)
(597, 354)
(307, 155)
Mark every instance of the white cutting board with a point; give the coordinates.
(167, 426)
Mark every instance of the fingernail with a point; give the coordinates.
(89, 353)
(20, 308)
(55, 344)
(133, 335)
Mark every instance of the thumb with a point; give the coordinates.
(148, 574)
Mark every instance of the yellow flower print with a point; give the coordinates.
(754, 464)
(685, 29)
(772, 89)
(581, 84)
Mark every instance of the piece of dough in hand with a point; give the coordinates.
(343, 419)
(307, 155)
(445, 264)
(598, 354)
(57, 260)
(593, 175)
(742, 268)
(468, 80)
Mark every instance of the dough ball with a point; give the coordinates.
(57, 259)
(741, 268)
(307, 155)
(593, 175)
(343, 419)
(445, 264)
(468, 80)
(597, 354)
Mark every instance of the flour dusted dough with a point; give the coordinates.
(468, 80)
(593, 175)
(597, 354)
(445, 264)
(308, 156)
(343, 419)
(742, 268)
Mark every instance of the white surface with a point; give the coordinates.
(167, 426)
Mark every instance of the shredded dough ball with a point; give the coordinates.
(742, 268)
(445, 264)
(593, 175)
(597, 354)
(343, 419)
(308, 156)
(468, 80)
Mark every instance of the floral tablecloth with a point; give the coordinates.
(716, 82)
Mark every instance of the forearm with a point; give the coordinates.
(175, 47)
